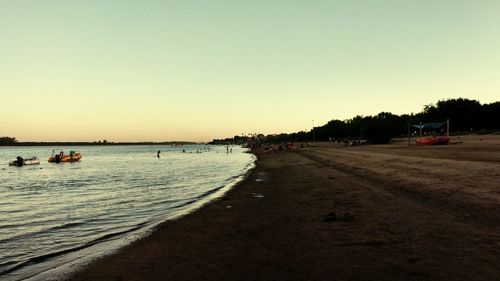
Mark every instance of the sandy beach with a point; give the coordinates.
(372, 212)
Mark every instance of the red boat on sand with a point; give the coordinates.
(433, 140)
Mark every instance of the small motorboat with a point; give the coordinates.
(433, 140)
(25, 162)
(59, 156)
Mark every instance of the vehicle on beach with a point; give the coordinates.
(58, 156)
(25, 162)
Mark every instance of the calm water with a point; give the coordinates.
(49, 210)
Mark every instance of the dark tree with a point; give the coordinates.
(465, 115)
(8, 141)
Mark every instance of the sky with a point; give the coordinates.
(198, 70)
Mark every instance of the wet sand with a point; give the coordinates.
(413, 213)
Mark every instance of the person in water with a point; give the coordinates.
(158, 154)
(19, 161)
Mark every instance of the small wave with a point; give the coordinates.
(229, 181)
(45, 230)
(67, 225)
(15, 265)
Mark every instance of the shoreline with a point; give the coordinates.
(360, 213)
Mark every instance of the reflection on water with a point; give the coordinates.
(50, 209)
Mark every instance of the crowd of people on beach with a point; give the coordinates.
(343, 142)
(271, 148)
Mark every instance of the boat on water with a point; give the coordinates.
(25, 162)
(58, 156)
(432, 140)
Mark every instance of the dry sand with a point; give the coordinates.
(414, 213)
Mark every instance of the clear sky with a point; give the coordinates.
(197, 70)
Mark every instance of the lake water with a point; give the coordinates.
(49, 211)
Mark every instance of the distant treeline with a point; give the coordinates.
(465, 116)
(14, 141)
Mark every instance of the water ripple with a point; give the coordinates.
(50, 210)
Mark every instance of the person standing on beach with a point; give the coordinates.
(158, 154)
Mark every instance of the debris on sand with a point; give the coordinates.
(257, 195)
(332, 216)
